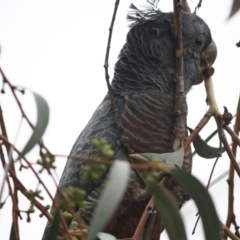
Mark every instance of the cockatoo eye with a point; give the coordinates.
(198, 42)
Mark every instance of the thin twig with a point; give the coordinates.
(144, 166)
(197, 129)
(233, 134)
(198, 6)
(228, 232)
(14, 203)
(230, 154)
(217, 115)
(13, 193)
(13, 89)
(220, 177)
(21, 187)
(30, 166)
(110, 91)
(236, 227)
(42, 183)
(231, 170)
(146, 213)
(144, 219)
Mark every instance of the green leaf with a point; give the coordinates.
(169, 211)
(53, 231)
(41, 125)
(2, 204)
(111, 196)
(203, 201)
(235, 8)
(105, 236)
(167, 159)
(203, 149)
(12, 233)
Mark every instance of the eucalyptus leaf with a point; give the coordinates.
(149, 225)
(203, 149)
(203, 201)
(111, 196)
(2, 204)
(169, 212)
(167, 159)
(235, 8)
(105, 236)
(41, 125)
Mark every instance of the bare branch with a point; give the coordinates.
(197, 129)
(150, 206)
(180, 111)
(228, 232)
(230, 154)
(110, 91)
(231, 170)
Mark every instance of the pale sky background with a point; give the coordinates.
(57, 48)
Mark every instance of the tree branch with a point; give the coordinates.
(110, 91)
(180, 110)
(231, 170)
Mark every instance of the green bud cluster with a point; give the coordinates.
(47, 207)
(93, 172)
(152, 176)
(30, 211)
(76, 196)
(74, 225)
(49, 160)
(67, 215)
(32, 195)
(103, 147)
(22, 166)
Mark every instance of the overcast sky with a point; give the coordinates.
(57, 48)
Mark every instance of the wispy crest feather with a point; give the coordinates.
(151, 10)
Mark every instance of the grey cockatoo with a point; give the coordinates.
(143, 88)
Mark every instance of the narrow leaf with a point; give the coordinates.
(235, 8)
(112, 194)
(105, 236)
(2, 204)
(41, 125)
(203, 149)
(149, 225)
(169, 212)
(53, 232)
(167, 159)
(204, 203)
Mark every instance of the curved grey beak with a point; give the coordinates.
(208, 57)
